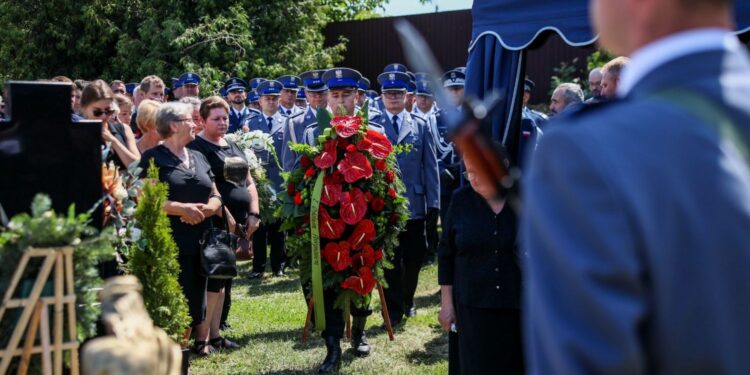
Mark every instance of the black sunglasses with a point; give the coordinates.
(98, 112)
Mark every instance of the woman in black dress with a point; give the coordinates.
(193, 199)
(97, 104)
(480, 278)
(240, 197)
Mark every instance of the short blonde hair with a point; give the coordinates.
(146, 117)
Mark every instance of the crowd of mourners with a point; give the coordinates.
(611, 259)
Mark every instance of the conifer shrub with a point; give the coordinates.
(154, 260)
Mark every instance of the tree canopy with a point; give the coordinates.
(129, 39)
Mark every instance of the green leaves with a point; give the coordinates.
(129, 39)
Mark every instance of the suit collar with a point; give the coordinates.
(658, 53)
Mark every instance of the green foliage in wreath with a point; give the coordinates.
(46, 228)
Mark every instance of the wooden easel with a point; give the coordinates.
(35, 317)
(384, 309)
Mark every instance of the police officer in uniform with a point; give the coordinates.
(390, 68)
(317, 92)
(289, 95)
(531, 125)
(301, 101)
(447, 161)
(362, 86)
(341, 84)
(236, 90)
(190, 84)
(419, 171)
(177, 88)
(272, 122)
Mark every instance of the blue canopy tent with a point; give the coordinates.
(502, 30)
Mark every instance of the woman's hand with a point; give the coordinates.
(191, 214)
(253, 223)
(106, 134)
(447, 316)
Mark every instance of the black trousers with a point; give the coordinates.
(227, 301)
(265, 235)
(489, 340)
(402, 279)
(335, 322)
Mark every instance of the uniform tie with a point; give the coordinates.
(395, 124)
(269, 122)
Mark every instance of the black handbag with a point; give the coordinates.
(218, 260)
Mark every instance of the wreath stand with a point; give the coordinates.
(35, 316)
(384, 308)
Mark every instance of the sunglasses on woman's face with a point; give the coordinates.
(98, 112)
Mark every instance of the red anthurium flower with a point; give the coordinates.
(337, 255)
(365, 258)
(327, 158)
(378, 254)
(362, 284)
(346, 126)
(381, 165)
(368, 196)
(330, 228)
(331, 193)
(381, 147)
(377, 204)
(390, 176)
(298, 199)
(305, 161)
(363, 233)
(355, 166)
(337, 177)
(351, 148)
(364, 145)
(290, 189)
(353, 206)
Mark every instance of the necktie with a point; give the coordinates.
(394, 120)
(288, 112)
(269, 122)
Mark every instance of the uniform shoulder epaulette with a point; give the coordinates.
(418, 117)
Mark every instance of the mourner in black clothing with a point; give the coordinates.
(97, 104)
(480, 278)
(239, 196)
(193, 198)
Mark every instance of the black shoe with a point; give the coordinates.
(332, 362)
(225, 326)
(412, 312)
(279, 273)
(255, 275)
(359, 343)
(428, 262)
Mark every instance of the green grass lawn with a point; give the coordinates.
(267, 317)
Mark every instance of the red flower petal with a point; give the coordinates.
(355, 166)
(362, 284)
(327, 157)
(353, 206)
(381, 165)
(331, 193)
(363, 233)
(381, 147)
(346, 126)
(305, 161)
(337, 256)
(330, 228)
(377, 204)
(390, 176)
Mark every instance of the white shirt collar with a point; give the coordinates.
(400, 116)
(423, 114)
(236, 112)
(653, 55)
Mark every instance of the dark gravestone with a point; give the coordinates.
(43, 151)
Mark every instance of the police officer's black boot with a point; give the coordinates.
(359, 339)
(332, 362)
